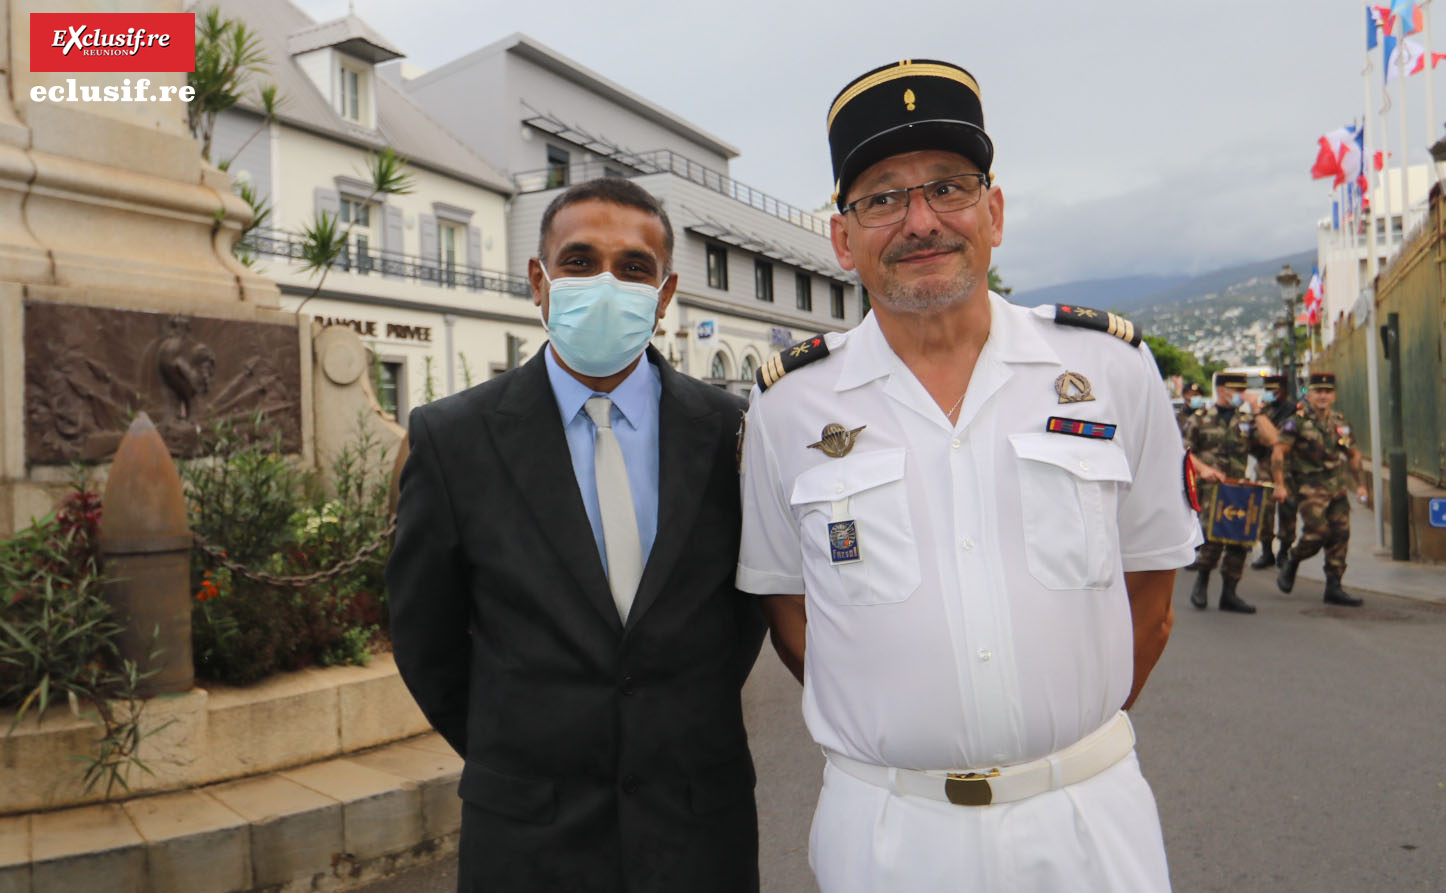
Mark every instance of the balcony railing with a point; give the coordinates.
(661, 161)
(391, 264)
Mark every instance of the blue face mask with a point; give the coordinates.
(598, 324)
(1269, 397)
(1236, 400)
(1197, 402)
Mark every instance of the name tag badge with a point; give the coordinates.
(843, 542)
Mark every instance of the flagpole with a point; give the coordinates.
(1402, 51)
(1373, 378)
(1431, 135)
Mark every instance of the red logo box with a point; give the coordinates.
(112, 41)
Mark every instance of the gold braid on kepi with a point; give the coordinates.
(1101, 320)
(789, 359)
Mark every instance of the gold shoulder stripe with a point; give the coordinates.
(902, 70)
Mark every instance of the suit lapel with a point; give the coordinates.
(687, 444)
(534, 451)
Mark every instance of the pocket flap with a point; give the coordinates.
(1091, 460)
(527, 799)
(854, 473)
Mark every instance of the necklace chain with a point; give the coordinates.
(955, 408)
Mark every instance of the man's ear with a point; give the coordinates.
(665, 294)
(839, 236)
(537, 280)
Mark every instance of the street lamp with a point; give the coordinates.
(1289, 283)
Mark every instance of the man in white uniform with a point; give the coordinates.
(971, 514)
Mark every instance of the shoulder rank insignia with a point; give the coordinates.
(789, 359)
(1089, 318)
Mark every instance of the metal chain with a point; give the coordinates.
(297, 582)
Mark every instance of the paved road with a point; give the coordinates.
(1301, 749)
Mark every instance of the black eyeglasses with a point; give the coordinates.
(944, 195)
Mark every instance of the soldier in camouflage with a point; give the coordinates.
(1319, 452)
(1221, 438)
(1279, 407)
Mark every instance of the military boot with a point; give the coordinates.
(1229, 601)
(1266, 559)
(1335, 595)
(1282, 555)
(1198, 596)
(1285, 580)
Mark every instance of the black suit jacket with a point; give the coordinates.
(598, 756)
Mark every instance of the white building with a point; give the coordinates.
(1342, 250)
(424, 278)
(755, 274)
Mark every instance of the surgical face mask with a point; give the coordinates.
(1197, 402)
(1236, 400)
(598, 324)
(1269, 397)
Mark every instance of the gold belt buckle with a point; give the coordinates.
(970, 788)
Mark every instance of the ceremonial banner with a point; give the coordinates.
(1233, 512)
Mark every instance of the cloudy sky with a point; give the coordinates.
(1129, 138)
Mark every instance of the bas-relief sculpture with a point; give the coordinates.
(88, 370)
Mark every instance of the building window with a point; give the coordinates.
(610, 171)
(836, 300)
(557, 162)
(717, 267)
(350, 98)
(718, 369)
(356, 217)
(803, 290)
(388, 378)
(749, 371)
(763, 280)
(447, 252)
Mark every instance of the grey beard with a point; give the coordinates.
(920, 298)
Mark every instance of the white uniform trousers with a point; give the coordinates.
(1102, 834)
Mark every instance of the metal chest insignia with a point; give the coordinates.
(836, 441)
(843, 541)
(1073, 388)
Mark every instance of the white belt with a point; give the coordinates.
(1086, 758)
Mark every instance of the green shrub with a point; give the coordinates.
(58, 638)
(269, 517)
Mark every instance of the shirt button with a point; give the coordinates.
(1084, 466)
(628, 687)
(985, 654)
(954, 443)
(838, 488)
(968, 544)
(631, 783)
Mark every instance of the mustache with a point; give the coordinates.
(921, 246)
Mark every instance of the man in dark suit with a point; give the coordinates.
(561, 586)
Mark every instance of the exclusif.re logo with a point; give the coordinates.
(112, 41)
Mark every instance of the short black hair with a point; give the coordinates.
(619, 191)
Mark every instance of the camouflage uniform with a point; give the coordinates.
(1264, 471)
(1320, 447)
(1225, 445)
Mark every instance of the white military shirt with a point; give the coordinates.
(986, 621)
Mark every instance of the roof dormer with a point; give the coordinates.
(340, 58)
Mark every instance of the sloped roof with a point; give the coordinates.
(401, 123)
(349, 34)
(542, 55)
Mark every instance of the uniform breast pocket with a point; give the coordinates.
(869, 490)
(1069, 492)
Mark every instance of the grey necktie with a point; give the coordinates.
(615, 502)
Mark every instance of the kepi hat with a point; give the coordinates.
(1323, 381)
(904, 107)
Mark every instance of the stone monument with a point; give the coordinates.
(119, 292)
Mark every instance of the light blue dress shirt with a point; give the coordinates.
(635, 424)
